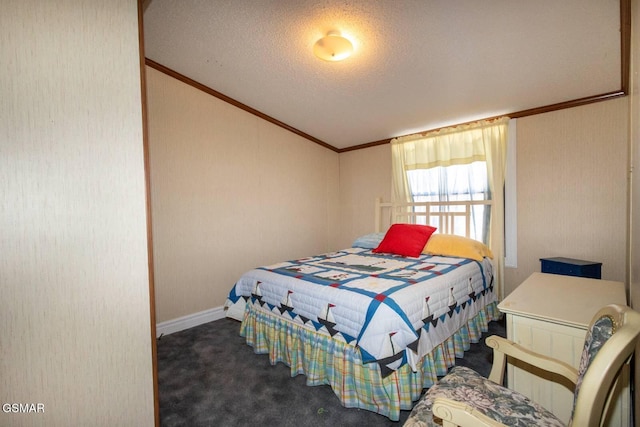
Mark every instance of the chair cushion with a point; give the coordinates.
(499, 403)
(601, 330)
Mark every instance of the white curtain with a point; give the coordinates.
(480, 141)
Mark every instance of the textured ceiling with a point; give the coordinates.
(417, 65)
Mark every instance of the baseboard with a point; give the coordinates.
(189, 321)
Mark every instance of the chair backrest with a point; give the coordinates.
(610, 342)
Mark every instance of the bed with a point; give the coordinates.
(376, 325)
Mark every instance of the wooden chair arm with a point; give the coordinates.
(503, 348)
(460, 414)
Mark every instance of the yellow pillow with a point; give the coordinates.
(458, 246)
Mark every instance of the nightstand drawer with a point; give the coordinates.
(571, 267)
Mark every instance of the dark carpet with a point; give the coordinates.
(209, 376)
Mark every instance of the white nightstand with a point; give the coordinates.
(550, 314)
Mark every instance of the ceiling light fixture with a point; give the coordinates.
(333, 47)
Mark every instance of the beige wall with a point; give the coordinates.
(635, 149)
(364, 176)
(230, 192)
(75, 330)
(634, 114)
(571, 188)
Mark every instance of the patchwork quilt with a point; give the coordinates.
(394, 309)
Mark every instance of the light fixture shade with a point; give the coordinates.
(333, 47)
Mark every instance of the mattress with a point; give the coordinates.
(394, 310)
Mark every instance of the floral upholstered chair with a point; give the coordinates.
(464, 398)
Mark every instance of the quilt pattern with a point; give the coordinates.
(394, 309)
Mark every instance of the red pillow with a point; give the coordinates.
(405, 239)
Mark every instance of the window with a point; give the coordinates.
(454, 183)
(463, 166)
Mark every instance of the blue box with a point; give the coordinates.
(572, 267)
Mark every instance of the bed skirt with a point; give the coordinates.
(326, 361)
